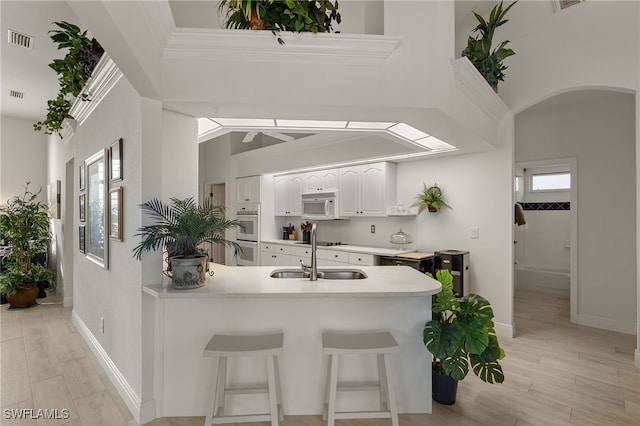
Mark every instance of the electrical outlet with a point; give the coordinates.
(102, 324)
(373, 229)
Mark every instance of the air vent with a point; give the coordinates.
(16, 94)
(19, 39)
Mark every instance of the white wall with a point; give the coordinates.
(179, 156)
(600, 134)
(23, 157)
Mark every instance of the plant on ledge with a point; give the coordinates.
(73, 72)
(281, 15)
(179, 229)
(461, 334)
(478, 50)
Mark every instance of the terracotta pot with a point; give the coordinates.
(432, 209)
(25, 297)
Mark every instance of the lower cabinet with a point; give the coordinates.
(287, 255)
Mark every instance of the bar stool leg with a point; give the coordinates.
(333, 390)
(384, 386)
(278, 390)
(211, 403)
(391, 393)
(221, 387)
(273, 399)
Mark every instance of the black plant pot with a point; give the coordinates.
(443, 388)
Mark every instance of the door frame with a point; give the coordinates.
(572, 162)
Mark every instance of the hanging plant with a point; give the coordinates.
(431, 198)
(74, 70)
(280, 15)
(489, 62)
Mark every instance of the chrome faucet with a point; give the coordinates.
(313, 269)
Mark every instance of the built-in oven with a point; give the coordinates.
(249, 254)
(249, 217)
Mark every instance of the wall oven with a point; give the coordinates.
(248, 215)
(247, 237)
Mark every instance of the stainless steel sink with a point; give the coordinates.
(327, 274)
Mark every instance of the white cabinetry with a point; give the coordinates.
(367, 190)
(288, 195)
(275, 255)
(248, 189)
(321, 180)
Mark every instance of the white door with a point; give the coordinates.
(372, 179)
(348, 194)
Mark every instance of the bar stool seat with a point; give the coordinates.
(225, 346)
(381, 344)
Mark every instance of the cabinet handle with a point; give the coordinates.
(359, 259)
(335, 255)
(246, 199)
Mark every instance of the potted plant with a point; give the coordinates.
(431, 198)
(179, 229)
(24, 222)
(478, 50)
(73, 72)
(280, 15)
(460, 335)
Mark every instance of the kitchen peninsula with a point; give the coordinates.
(247, 300)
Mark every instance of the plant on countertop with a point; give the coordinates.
(461, 335)
(431, 198)
(478, 50)
(73, 72)
(179, 228)
(24, 222)
(280, 15)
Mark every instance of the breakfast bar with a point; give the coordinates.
(248, 300)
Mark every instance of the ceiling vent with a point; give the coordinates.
(16, 94)
(563, 4)
(19, 39)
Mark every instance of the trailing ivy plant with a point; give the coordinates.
(280, 15)
(489, 62)
(73, 72)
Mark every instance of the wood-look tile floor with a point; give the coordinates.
(556, 373)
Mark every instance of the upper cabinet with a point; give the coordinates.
(248, 189)
(366, 190)
(321, 180)
(288, 194)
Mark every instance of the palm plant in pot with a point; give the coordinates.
(280, 15)
(461, 335)
(24, 222)
(179, 228)
(431, 198)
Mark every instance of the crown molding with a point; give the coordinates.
(159, 20)
(470, 82)
(104, 77)
(260, 46)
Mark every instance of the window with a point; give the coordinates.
(551, 181)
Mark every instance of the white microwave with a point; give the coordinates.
(320, 206)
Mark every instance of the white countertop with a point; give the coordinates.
(376, 251)
(254, 281)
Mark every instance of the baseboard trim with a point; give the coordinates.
(141, 412)
(502, 329)
(606, 324)
(67, 302)
(637, 357)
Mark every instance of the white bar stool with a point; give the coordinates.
(222, 347)
(380, 344)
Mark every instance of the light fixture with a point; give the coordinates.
(368, 125)
(405, 131)
(312, 124)
(434, 144)
(245, 122)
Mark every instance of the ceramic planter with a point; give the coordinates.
(188, 273)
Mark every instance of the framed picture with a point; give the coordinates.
(115, 215)
(97, 241)
(82, 207)
(81, 177)
(81, 239)
(115, 155)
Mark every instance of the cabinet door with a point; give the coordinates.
(296, 188)
(281, 196)
(282, 260)
(312, 181)
(349, 192)
(248, 189)
(372, 194)
(329, 179)
(267, 258)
